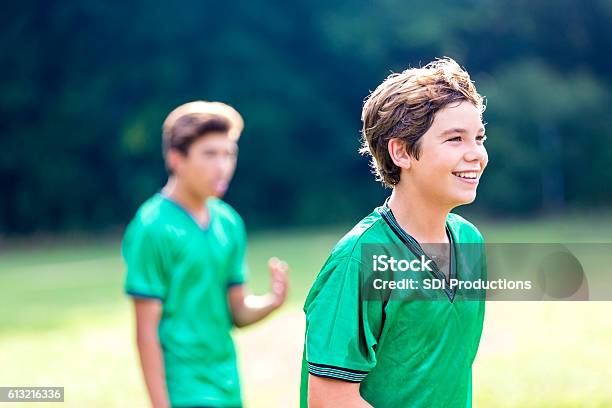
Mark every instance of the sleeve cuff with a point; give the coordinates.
(338, 373)
(138, 294)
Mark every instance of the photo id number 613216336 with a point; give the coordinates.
(31, 394)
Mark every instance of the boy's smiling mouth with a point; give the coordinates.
(470, 176)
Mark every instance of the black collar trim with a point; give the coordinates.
(417, 250)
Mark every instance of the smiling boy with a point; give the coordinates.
(424, 132)
(186, 270)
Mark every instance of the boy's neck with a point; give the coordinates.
(195, 205)
(421, 219)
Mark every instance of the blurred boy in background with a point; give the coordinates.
(186, 270)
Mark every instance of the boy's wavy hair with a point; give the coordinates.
(193, 120)
(404, 106)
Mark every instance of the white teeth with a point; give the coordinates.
(467, 174)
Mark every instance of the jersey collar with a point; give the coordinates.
(414, 247)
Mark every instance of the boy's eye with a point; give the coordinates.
(454, 139)
(481, 138)
(211, 154)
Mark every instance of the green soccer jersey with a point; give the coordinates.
(405, 351)
(189, 268)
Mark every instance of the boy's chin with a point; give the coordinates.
(217, 194)
(464, 200)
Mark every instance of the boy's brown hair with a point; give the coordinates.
(190, 121)
(404, 106)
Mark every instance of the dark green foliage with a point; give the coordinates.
(86, 85)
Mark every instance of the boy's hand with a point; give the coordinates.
(279, 278)
(247, 308)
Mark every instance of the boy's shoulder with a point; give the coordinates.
(344, 261)
(226, 212)
(157, 219)
(149, 224)
(370, 230)
(464, 230)
(149, 215)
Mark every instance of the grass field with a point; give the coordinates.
(65, 322)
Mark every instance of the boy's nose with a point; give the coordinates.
(476, 153)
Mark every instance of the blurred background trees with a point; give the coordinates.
(86, 85)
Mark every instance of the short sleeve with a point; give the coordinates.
(238, 269)
(341, 328)
(142, 254)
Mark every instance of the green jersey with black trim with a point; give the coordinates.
(405, 351)
(170, 257)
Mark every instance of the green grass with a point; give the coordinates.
(65, 322)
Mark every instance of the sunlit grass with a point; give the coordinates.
(66, 323)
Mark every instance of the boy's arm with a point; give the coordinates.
(148, 312)
(327, 392)
(247, 308)
(341, 334)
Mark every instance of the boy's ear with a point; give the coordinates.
(400, 156)
(174, 159)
